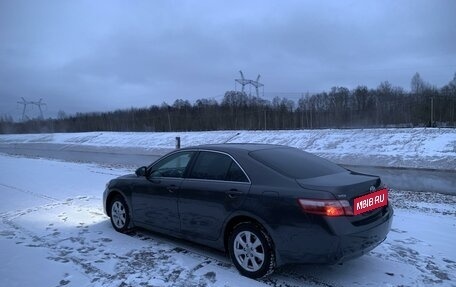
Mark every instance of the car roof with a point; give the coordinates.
(227, 147)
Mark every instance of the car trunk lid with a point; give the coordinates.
(347, 186)
(344, 186)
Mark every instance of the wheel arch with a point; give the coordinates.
(258, 225)
(111, 195)
(245, 217)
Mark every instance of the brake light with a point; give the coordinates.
(327, 207)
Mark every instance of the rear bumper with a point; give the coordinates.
(332, 240)
(357, 244)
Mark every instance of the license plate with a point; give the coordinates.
(370, 201)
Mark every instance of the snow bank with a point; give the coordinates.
(418, 148)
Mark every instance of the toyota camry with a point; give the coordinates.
(264, 205)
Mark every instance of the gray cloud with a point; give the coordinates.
(101, 55)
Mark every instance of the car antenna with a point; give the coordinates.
(232, 137)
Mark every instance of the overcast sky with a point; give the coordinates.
(84, 56)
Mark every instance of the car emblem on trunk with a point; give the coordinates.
(372, 188)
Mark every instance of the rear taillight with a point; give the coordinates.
(327, 207)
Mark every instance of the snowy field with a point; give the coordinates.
(53, 233)
(417, 148)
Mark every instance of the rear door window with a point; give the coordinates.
(217, 166)
(235, 173)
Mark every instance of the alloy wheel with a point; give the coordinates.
(249, 251)
(118, 214)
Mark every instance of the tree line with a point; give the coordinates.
(361, 107)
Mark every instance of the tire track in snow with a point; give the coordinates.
(35, 194)
(276, 279)
(34, 240)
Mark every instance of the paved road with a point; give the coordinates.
(398, 178)
(413, 179)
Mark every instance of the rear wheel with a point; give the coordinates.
(251, 250)
(120, 216)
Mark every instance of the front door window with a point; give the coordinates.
(172, 166)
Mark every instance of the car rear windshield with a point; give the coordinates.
(295, 163)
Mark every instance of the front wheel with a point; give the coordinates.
(251, 250)
(120, 216)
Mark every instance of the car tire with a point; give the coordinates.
(120, 214)
(251, 250)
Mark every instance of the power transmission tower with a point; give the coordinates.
(243, 81)
(39, 104)
(24, 103)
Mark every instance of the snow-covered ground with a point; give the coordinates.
(53, 233)
(417, 148)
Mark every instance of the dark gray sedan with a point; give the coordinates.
(265, 205)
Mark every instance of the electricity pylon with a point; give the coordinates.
(39, 104)
(243, 81)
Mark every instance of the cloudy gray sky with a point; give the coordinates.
(84, 56)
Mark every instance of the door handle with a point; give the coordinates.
(233, 193)
(172, 188)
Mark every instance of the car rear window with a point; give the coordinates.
(295, 163)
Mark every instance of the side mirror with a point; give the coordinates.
(141, 171)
